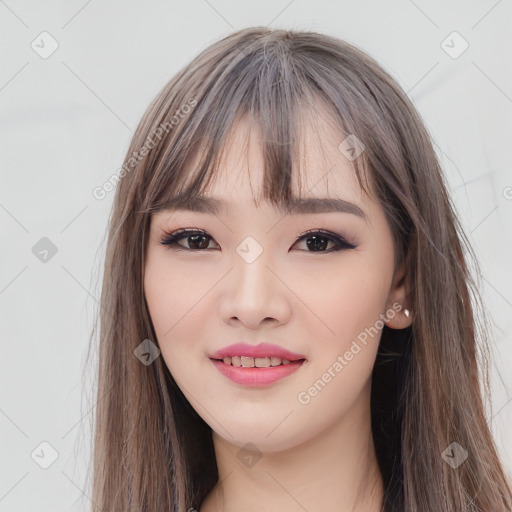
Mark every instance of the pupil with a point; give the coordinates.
(194, 239)
(316, 244)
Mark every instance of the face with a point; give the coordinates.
(320, 296)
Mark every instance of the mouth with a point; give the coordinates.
(256, 365)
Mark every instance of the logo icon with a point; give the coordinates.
(249, 455)
(44, 250)
(44, 45)
(454, 45)
(351, 147)
(454, 455)
(44, 455)
(146, 352)
(249, 249)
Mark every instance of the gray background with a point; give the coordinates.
(66, 122)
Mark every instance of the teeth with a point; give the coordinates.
(247, 362)
(252, 362)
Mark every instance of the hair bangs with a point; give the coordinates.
(263, 85)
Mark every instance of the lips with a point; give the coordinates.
(256, 351)
(255, 376)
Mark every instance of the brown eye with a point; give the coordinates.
(197, 240)
(317, 241)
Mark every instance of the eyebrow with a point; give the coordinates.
(213, 205)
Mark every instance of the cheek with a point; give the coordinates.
(179, 307)
(344, 302)
(345, 341)
(175, 295)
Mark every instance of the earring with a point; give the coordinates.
(407, 312)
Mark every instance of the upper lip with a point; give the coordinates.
(261, 350)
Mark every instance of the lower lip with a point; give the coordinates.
(256, 377)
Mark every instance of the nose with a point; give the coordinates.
(255, 295)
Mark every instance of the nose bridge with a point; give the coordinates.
(254, 293)
(251, 270)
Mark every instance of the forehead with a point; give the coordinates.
(321, 170)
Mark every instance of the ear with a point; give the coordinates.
(397, 303)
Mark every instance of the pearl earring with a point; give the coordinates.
(407, 312)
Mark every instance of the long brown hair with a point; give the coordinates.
(152, 451)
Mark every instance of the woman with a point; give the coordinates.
(287, 318)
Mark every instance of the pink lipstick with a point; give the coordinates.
(256, 365)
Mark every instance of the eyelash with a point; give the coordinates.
(171, 240)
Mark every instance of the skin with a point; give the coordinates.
(314, 456)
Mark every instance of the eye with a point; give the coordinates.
(198, 240)
(317, 240)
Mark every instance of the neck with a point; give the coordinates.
(335, 470)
